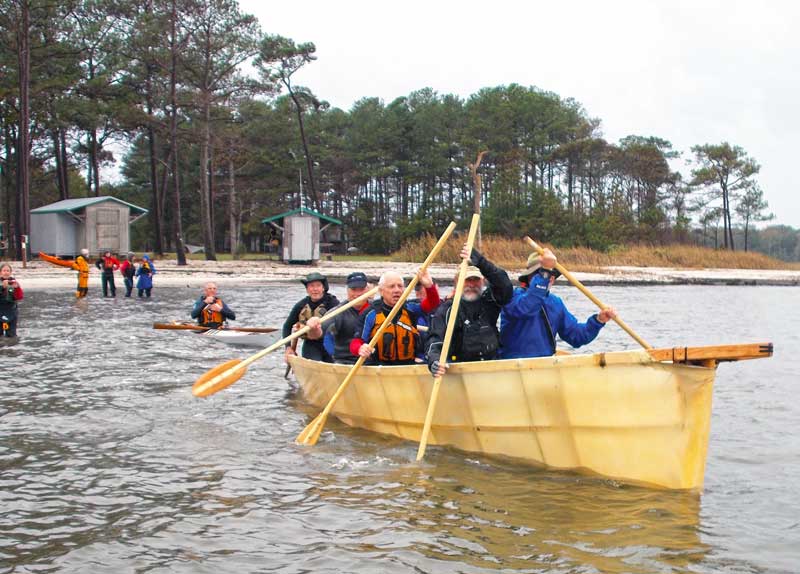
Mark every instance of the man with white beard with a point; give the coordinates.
(475, 336)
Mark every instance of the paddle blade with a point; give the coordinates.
(217, 378)
(310, 435)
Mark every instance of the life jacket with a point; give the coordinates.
(479, 337)
(400, 340)
(210, 317)
(7, 295)
(306, 313)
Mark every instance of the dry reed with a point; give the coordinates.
(512, 254)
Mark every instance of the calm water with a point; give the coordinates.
(108, 464)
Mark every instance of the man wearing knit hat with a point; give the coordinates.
(530, 322)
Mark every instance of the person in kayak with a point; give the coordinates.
(316, 303)
(342, 329)
(10, 293)
(107, 264)
(530, 322)
(210, 310)
(475, 336)
(399, 343)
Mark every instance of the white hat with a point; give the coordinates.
(84, 252)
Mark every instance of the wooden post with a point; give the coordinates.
(476, 178)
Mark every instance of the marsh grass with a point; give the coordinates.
(512, 254)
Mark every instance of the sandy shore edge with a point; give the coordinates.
(41, 275)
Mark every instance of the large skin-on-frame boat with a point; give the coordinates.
(640, 416)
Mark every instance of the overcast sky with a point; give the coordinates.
(691, 72)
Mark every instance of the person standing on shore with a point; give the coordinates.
(145, 273)
(316, 303)
(10, 293)
(107, 264)
(530, 322)
(80, 264)
(128, 270)
(210, 310)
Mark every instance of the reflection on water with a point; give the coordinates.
(107, 463)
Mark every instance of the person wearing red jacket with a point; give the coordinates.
(10, 293)
(108, 264)
(128, 270)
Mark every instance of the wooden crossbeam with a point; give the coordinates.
(717, 353)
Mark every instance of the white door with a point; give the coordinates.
(302, 239)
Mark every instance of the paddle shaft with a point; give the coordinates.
(448, 336)
(311, 433)
(560, 268)
(184, 326)
(297, 334)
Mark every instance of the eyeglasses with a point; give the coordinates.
(547, 273)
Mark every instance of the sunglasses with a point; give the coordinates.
(547, 273)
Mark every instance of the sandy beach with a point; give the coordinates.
(41, 275)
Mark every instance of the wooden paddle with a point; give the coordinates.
(560, 268)
(310, 434)
(448, 337)
(226, 374)
(188, 326)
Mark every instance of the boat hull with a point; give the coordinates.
(241, 339)
(619, 415)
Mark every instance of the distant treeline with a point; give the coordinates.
(214, 135)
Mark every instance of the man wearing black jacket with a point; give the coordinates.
(317, 302)
(475, 336)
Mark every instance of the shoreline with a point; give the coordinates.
(42, 275)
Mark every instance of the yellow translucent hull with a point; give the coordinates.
(620, 415)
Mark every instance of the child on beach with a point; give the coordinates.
(10, 293)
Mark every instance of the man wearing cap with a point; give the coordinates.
(399, 343)
(341, 331)
(475, 335)
(530, 322)
(317, 302)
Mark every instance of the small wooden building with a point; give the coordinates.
(301, 234)
(101, 223)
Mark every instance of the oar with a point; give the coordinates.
(310, 434)
(226, 374)
(186, 326)
(448, 337)
(560, 268)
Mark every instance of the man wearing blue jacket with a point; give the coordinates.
(530, 322)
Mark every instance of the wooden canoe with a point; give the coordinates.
(640, 416)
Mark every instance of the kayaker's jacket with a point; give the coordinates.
(399, 343)
(8, 301)
(208, 317)
(475, 334)
(340, 332)
(145, 273)
(82, 267)
(128, 269)
(107, 264)
(533, 318)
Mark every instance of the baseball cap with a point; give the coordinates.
(473, 271)
(356, 280)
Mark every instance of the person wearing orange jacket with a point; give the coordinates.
(211, 311)
(81, 265)
(107, 264)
